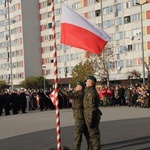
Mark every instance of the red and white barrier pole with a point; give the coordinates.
(56, 79)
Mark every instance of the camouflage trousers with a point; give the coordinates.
(94, 134)
(80, 129)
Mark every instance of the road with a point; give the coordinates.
(122, 128)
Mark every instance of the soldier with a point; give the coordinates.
(77, 106)
(92, 114)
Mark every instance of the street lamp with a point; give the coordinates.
(44, 68)
(142, 44)
(9, 1)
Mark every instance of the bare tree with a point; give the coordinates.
(134, 73)
(101, 64)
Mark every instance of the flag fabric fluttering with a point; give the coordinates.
(52, 97)
(78, 32)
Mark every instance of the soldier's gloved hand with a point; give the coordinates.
(91, 125)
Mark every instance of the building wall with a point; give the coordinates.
(31, 38)
(25, 39)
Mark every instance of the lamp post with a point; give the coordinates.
(142, 44)
(44, 68)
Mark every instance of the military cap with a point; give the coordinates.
(81, 84)
(91, 78)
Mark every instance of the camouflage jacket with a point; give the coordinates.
(91, 102)
(77, 103)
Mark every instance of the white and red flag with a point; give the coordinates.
(78, 32)
(52, 96)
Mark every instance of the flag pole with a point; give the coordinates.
(56, 79)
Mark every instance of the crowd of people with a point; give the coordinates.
(134, 95)
(23, 101)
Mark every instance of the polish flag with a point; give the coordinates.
(78, 32)
(52, 96)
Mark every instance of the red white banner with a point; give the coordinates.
(52, 97)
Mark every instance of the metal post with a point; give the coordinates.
(142, 42)
(10, 45)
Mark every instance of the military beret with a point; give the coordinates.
(81, 84)
(91, 78)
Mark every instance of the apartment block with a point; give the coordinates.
(20, 46)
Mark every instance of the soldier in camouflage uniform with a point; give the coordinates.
(92, 114)
(77, 106)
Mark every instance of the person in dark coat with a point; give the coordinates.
(23, 101)
(7, 101)
(121, 93)
(1, 103)
(15, 102)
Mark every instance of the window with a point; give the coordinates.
(97, 13)
(57, 23)
(134, 2)
(121, 49)
(49, 25)
(67, 57)
(59, 46)
(57, 1)
(119, 35)
(119, 21)
(111, 64)
(90, 2)
(77, 5)
(48, 3)
(126, 5)
(128, 48)
(136, 32)
(121, 63)
(1, 2)
(128, 34)
(129, 63)
(108, 10)
(136, 17)
(2, 23)
(57, 35)
(90, 14)
(137, 46)
(127, 19)
(57, 11)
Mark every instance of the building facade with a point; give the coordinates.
(121, 19)
(20, 47)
